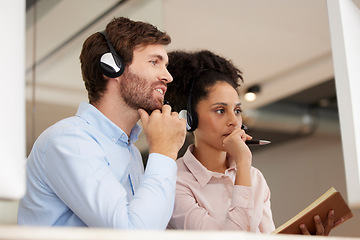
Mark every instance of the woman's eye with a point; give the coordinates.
(220, 111)
(153, 62)
(238, 111)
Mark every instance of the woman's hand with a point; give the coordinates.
(235, 146)
(323, 230)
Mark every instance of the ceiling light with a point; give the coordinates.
(251, 93)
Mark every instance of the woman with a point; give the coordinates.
(217, 186)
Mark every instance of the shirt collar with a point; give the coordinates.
(201, 173)
(100, 122)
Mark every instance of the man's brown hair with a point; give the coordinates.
(125, 35)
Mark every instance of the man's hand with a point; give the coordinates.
(164, 131)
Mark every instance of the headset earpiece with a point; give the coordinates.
(192, 120)
(111, 64)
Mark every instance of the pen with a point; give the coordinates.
(258, 142)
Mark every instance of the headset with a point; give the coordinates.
(191, 117)
(111, 64)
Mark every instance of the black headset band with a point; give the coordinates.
(189, 101)
(110, 45)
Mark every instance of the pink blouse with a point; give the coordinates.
(208, 200)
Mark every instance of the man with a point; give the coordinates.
(85, 170)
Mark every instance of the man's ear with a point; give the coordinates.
(112, 81)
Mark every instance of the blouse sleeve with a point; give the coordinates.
(250, 207)
(267, 224)
(251, 211)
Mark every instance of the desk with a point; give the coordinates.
(10, 232)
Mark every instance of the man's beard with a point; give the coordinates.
(137, 93)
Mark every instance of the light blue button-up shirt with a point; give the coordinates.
(85, 171)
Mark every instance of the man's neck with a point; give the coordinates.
(118, 112)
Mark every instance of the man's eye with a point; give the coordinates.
(153, 62)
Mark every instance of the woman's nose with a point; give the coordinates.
(233, 120)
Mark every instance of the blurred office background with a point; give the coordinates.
(282, 46)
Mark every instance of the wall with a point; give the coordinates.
(8, 212)
(300, 171)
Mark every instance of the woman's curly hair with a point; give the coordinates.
(196, 72)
